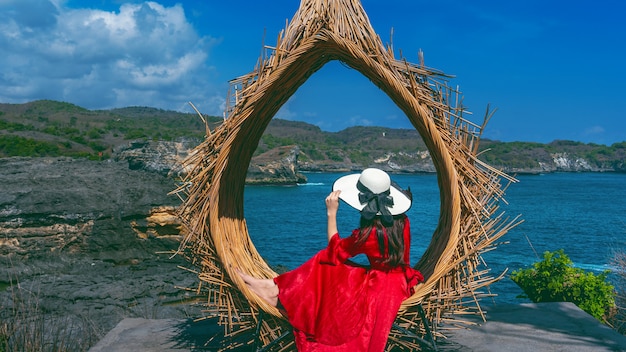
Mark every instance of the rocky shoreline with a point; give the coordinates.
(88, 243)
(284, 165)
(82, 240)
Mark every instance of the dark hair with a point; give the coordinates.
(395, 235)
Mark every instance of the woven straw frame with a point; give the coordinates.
(217, 238)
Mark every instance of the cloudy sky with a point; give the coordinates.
(553, 69)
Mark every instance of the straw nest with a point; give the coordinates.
(470, 222)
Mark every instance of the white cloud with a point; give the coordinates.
(285, 112)
(142, 54)
(594, 130)
(358, 120)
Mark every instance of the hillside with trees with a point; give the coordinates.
(51, 128)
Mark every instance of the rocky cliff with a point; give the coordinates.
(278, 166)
(284, 165)
(421, 162)
(562, 162)
(88, 243)
(91, 242)
(162, 157)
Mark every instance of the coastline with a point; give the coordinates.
(509, 328)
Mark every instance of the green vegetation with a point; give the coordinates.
(50, 128)
(19, 146)
(618, 320)
(555, 279)
(528, 155)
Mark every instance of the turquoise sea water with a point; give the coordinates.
(582, 213)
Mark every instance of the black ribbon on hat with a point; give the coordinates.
(375, 203)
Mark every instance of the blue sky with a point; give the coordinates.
(553, 69)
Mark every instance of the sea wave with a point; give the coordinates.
(312, 184)
(595, 267)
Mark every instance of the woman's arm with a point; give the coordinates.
(332, 205)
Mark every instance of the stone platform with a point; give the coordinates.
(545, 327)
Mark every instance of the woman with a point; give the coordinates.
(334, 304)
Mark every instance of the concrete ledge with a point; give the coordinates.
(157, 335)
(509, 328)
(538, 327)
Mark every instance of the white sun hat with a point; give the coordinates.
(377, 182)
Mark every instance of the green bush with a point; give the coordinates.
(619, 319)
(555, 279)
(18, 146)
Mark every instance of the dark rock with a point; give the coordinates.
(93, 240)
(81, 240)
(278, 166)
(162, 157)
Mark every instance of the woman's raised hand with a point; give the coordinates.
(332, 202)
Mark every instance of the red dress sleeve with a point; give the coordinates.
(339, 250)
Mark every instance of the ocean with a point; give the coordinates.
(582, 213)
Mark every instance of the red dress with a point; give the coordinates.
(335, 305)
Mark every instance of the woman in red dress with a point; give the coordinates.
(334, 304)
